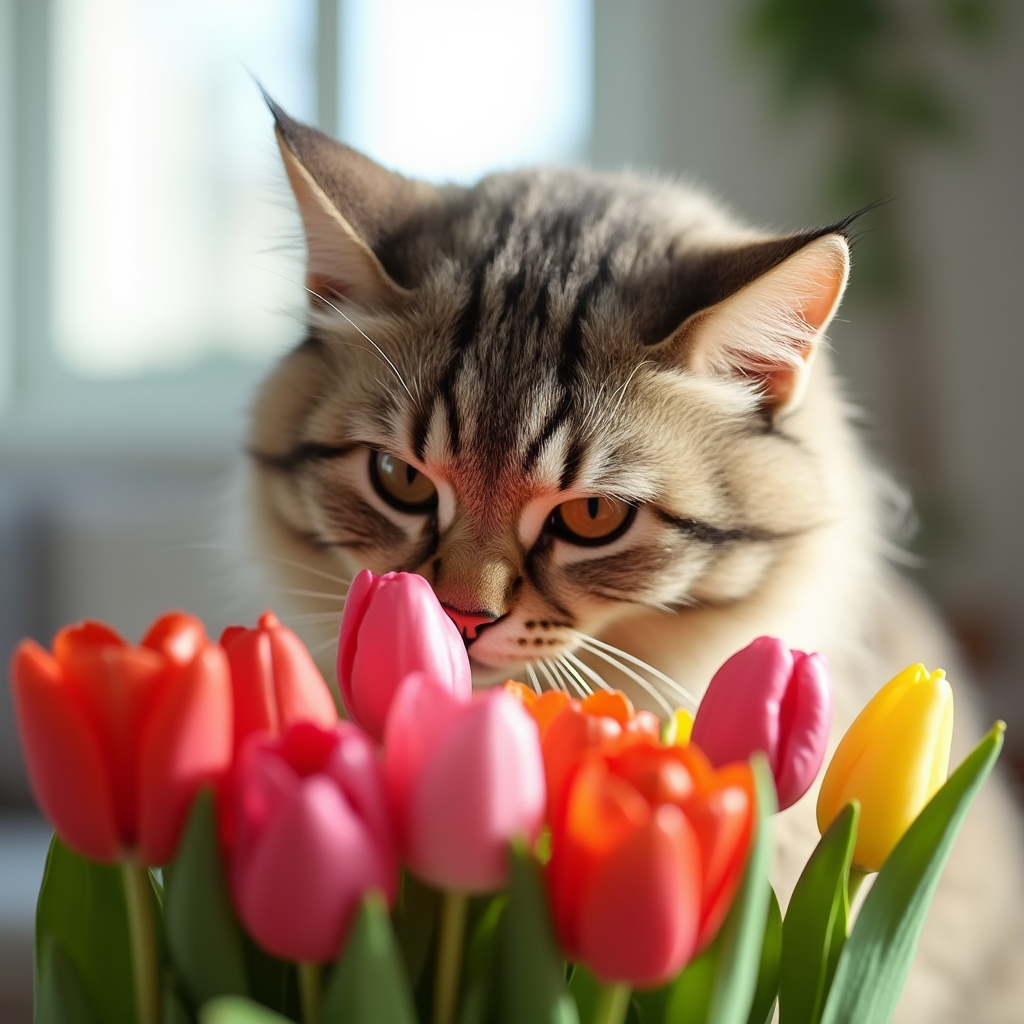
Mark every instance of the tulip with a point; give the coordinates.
(648, 851)
(274, 680)
(312, 837)
(569, 728)
(769, 698)
(119, 738)
(393, 625)
(465, 778)
(893, 759)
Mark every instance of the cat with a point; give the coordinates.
(598, 414)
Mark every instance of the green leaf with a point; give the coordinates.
(530, 970)
(767, 989)
(817, 923)
(368, 983)
(237, 1010)
(415, 922)
(719, 986)
(203, 935)
(876, 959)
(173, 1009)
(81, 905)
(478, 963)
(584, 989)
(60, 996)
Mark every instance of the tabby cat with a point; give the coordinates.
(597, 414)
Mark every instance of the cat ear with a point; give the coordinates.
(349, 205)
(769, 330)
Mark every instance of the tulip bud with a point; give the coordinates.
(893, 759)
(312, 836)
(119, 738)
(769, 698)
(465, 778)
(393, 625)
(274, 680)
(648, 850)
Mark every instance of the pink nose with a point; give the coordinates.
(468, 623)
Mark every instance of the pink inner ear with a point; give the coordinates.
(816, 309)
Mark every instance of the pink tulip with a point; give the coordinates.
(274, 680)
(769, 698)
(394, 625)
(464, 778)
(312, 836)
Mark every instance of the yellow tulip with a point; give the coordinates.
(893, 759)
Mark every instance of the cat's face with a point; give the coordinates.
(556, 396)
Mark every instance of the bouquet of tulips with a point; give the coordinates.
(228, 851)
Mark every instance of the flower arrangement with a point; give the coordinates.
(228, 851)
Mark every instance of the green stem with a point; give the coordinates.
(449, 956)
(138, 894)
(309, 991)
(612, 1004)
(857, 879)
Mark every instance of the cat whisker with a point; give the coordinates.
(583, 688)
(566, 682)
(644, 684)
(586, 670)
(542, 665)
(325, 646)
(621, 390)
(322, 595)
(531, 675)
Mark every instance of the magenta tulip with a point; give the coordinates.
(393, 625)
(769, 698)
(313, 835)
(465, 777)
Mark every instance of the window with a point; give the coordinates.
(155, 260)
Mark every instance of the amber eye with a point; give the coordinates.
(592, 520)
(402, 486)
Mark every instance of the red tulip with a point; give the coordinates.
(312, 837)
(274, 680)
(647, 852)
(119, 738)
(393, 625)
(465, 778)
(769, 698)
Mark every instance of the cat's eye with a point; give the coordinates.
(592, 521)
(402, 486)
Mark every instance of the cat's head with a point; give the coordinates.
(557, 395)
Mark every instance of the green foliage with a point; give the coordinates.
(529, 971)
(817, 923)
(82, 933)
(237, 1010)
(876, 959)
(203, 935)
(60, 994)
(765, 993)
(368, 984)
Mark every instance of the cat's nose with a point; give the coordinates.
(468, 623)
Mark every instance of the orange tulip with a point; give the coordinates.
(648, 849)
(119, 738)
(569, 728)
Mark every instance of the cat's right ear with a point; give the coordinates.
(348, 204)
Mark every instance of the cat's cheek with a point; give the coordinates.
(735, 574)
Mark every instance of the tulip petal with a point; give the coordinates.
(252, 684)
(177, 636)
(69, 773)
(186, 743)
(804, 725)
(357, 601)
(301, 693)
(298, 887)
(477, 791)
(639, 913)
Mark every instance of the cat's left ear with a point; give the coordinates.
(769, 330)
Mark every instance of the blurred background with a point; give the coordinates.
(149, 261)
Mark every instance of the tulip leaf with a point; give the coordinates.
(60, 994)
(203, 935)
(585, 990)
(817, 922)
(173, 1009)
(876, 959)
(689, 998)
(415, 922)
(530, 970)
(368, 983)
(479, 963)
(767, 990)
(82, 906)
(238, 1010)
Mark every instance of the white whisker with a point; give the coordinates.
(548, 674)
(532, 676)
(564, 682)
(644, 684)
(593, 645)
(326, 645)
(321, 594)
(590, 673)
(578, 681)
